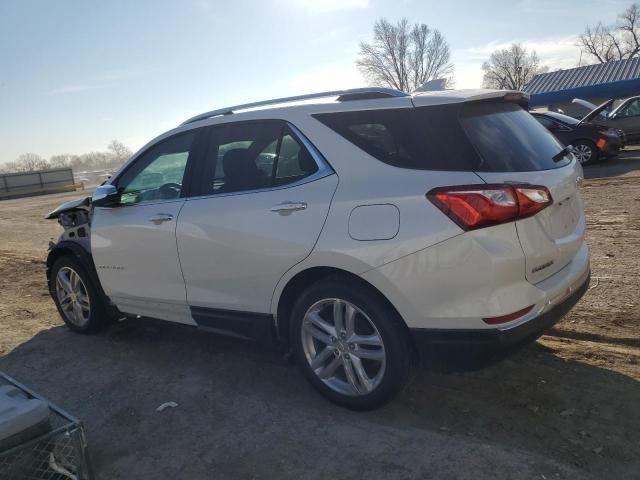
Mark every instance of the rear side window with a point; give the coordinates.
(494, 137)
(427, 138)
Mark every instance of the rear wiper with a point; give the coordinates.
(563, 153)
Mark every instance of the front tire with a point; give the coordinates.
(350, 344)
(585, 151)
(75, 296)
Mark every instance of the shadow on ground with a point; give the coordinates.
(246, 413)
(626, 163)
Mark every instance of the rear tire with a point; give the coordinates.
(76, 297)
(358, 345)
(586, 152)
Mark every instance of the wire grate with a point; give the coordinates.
(58, 452)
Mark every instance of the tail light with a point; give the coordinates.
(478, 206)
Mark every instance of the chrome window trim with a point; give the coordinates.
(324, 170)
(143, 204)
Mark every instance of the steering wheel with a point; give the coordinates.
(170, 190)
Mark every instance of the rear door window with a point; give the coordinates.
(254, 155)
(495, 137)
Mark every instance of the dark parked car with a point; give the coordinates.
(590, 141)
(626, 117)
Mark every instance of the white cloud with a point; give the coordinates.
(555, 53)
(335, 76)
(326, 6)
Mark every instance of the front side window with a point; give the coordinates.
(158, 174)
(253, 156)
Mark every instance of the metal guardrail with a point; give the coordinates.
(24, 184)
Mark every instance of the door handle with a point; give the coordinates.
(158, 218)
(285, 208)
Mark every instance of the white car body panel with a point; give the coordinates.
(553, 237)
(234, 249)
(137, 260)
(235, 254)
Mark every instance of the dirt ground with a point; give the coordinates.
(565, 407)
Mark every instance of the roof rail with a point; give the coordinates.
(343, 95)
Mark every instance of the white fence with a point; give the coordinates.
(13, 185)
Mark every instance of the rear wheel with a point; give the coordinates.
(350, 344)
(76, 297)
(585, 151)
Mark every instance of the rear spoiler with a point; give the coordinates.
(514, 96)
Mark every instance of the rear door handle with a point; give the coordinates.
(286, 208)
(158, 218)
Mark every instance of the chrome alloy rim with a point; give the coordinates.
(72, 296)
(343, 347)
(583, 153)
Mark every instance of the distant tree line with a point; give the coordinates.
(115, 155)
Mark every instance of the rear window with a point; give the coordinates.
(490, 137)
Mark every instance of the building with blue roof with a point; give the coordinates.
(595, 83)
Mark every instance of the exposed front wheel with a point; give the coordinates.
(585, 151)
(350, 344)
(76, 297)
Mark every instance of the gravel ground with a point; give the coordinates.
(565, 407)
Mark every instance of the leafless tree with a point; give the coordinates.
(511, 68)
(117, 153)
(60, 161)
(617, 42)
(403, 56)
(120, 153)
(29, 162)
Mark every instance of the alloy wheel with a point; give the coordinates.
(583, 153)
(343, 347)
(73, 296)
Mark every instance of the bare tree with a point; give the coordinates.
(119, 152)
(511, 68)
(28, 162)
(617, 42)
(60, 161)
(404, 57)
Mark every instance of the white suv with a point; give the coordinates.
(361, 229)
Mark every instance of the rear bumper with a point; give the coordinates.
(472, 349)
(611, 148)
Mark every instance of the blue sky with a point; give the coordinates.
(76, 74)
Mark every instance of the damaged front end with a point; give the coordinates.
(75, 218)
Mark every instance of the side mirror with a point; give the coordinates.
(106, 196)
